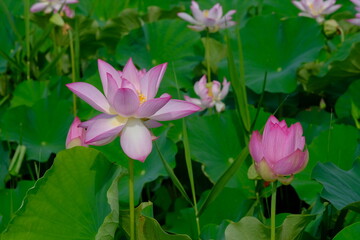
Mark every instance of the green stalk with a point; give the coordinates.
(188, 161)
(10, 20)
(245, 110)
(190, 173)
(207, 56)
(131, 199)
(237, 77)
(27, 37)
(273, 210)
(73, 70)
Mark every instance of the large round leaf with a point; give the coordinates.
(341, 188)
(349, 233)
(41, 128)
(69, 202)
(337, 145)
(214, 142)
(29, 92)
(252, 228)
(278, 47)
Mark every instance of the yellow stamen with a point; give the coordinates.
(206, 13)
(209, 87)
(142, 98)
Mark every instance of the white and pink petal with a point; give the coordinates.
(136, 140)
(175, 109)
(91, 95)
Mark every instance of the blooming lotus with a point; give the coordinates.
(129, 107)
(76, 135)
(279, 152)
(316, 8)
(54, 6)
(356, 20)
(210, 94)
(211, 20)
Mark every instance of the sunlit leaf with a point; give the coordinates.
(252, 228)
(68, 202)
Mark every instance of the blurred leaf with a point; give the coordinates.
(57, 19)
(349, 233)
(69, 202)
(252, 228)
(214, 232)
(10, 201)
(159, 42)
(103, 10)
(314, 122)
(41, 128)
(337, 145)
(144, 172)
(172, 175)
(344, 58)
(286, 46)
(4, 165)
(285, 8)
(175, 221)
(220, 150)
(29, 92)
(350, 98)
(118, 27)
(146, 227)
(224, 179)
(341, 188)
(226, 206)
(342, 66)
(217, 53)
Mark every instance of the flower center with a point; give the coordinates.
(206, 13)
(313, 10)
(209, 87)
(142, 98)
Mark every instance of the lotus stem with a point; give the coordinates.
(207, 56)
(273, 210)
(27, 37)
(131, 199)
(73, 70)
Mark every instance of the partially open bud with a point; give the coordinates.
(76, 135)
(331, 28)
(279, 153)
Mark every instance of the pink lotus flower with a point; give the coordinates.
(76, 135)
(356, 20)
(316, 8)
(211, 20)
(129, 107)
(279, 152)
(54, 6)
(210, 94)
